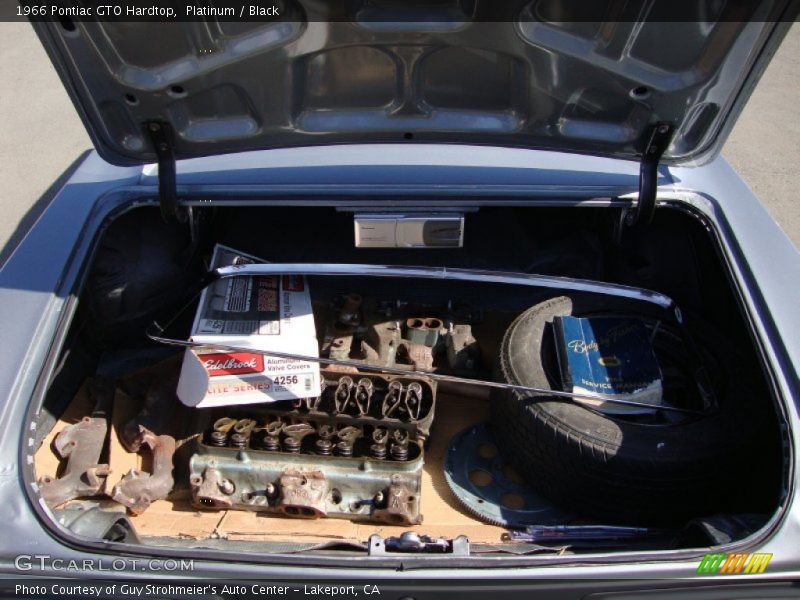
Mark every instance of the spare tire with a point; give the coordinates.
(611, 467)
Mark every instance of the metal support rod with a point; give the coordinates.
(161, 136)
(154, 333)
(659, 138)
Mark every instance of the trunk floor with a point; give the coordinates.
(443, 516)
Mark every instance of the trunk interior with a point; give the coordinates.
(144, 269)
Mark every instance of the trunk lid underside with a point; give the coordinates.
(527, 74)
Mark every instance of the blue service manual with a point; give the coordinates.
(608, 357)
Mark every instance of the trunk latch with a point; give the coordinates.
(660, 136)
(410, 542)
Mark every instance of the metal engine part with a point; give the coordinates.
(488, 488)
(391, 334)
(138, 490)
(81, 445)
(387, 401)
(355, 452)
(306, 484)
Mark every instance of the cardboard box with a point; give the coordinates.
(263, 313)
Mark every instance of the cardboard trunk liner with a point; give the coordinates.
(443, 516)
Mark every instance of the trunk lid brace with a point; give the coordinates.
(659, 138)
(161, 137)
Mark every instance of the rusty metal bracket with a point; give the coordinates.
(81, 445)
(138, 490)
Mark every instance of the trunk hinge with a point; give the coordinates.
(160, 134)
(642, 214)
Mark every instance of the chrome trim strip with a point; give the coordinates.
(423, 272)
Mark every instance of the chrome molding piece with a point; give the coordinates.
(484, 276)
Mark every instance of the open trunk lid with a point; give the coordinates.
(593, 79)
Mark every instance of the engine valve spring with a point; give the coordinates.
(399, 452)
(271, 443)
(218, 438)
(291, 444)
(238, 440)
(378, 451)
(323, 447)
(344, 449)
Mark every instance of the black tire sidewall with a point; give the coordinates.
(571, 450)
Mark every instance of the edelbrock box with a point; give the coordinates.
(263, 313)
